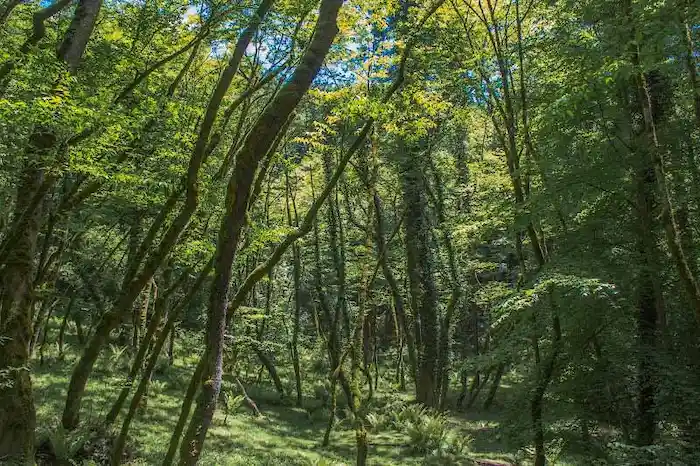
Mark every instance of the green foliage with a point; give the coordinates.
(525, 127)
(628, 455)
(118, 356)
(65, 445)
(430, 434)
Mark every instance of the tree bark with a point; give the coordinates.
(139, 358)
(403, 317)
(456, 291)
(184, 413)
(45, 333)
(171, 346)
(120, 442)
(544, 378)
(261, 137)
(75, 40)
(37, 330)
(296, 271)
(129, 294)
(647, 302)
(64, 324)
(419, 262)
(494, 386)
(17, 413)
(78, 320)
(270, 366)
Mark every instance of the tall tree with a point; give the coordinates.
(261, 137)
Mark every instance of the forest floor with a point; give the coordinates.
(283, 435)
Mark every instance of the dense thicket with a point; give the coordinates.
(480, 202)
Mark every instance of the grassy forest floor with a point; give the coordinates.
(284, 435)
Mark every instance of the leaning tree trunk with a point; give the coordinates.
(37, 327)
(130, 292)
(137, 363)
(76, 38)
(266, 361)
(494, 386)
(120, 442)
(45, 334)
(259, 141)
(307, 224)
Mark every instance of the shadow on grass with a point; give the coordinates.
(285, 435)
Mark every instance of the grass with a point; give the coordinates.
(285, 435)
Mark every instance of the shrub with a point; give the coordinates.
(60, 446)
(429, 432)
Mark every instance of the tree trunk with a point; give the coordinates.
(130, 291)
(76, 37)
(419, 262)
(45, 334)
(446, 335)
(647, 169)
(296, 328)
(361, 441)
(296, 271)
(270, 366)
(37, 327)
(647, 318)
(64, 324)
(544, 378)
(17, 413)
(477, 385)
(140, 316)
(331, 412)
(171, 346)
(463, 380)
(118, 447)
(137, 363)
(260, 139)
(80, 333)
(494, 386)
(184, 413)
(404, 319)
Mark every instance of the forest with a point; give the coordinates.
(331, 232)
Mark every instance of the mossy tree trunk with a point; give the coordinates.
(253, 150)
(419, 263)
(131, 290)
(293, 220)
(17, 413)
